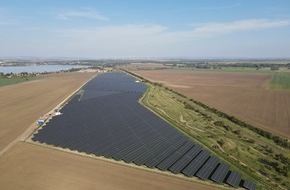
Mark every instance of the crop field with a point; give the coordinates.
(243, 94)
(105, 119)
(24, 103)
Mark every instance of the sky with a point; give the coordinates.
(145, 28)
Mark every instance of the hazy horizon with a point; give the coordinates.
(145, 29)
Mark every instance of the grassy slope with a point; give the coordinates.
(236, 149)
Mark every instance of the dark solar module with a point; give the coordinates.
(220, 173)
(249, 185)
(234, 179)
(207, 168)
(196, 163)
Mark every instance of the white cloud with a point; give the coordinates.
(220, 7)
(212, 29)
(150, 40)
(85, 14)
(143, 34)
(153, 39)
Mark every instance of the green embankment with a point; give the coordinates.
(16, 80)
(255, 156)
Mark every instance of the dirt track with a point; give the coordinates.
(240, 94)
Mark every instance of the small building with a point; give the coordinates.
(40, 122)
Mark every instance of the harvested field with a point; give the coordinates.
(23, 104)
(30, 167)
(243, 95)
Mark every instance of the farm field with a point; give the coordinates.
(24, 103)
(32, 167)
(242, 94)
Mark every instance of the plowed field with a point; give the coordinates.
(243, 95)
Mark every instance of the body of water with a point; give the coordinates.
(38, 68)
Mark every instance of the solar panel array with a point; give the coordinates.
(107, 120)
(249, 185)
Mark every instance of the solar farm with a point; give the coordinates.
(106, 119)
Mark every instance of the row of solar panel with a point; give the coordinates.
(113, 124)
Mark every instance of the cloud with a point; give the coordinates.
(220, 7)
(84, 14)
(130, 39)
(213, 29)
(150, 40)
(142, 32)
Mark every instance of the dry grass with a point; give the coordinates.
(240, 94)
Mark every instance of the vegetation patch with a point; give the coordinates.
(16, 80)
(280, 81)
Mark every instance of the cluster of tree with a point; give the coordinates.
(274, 68)
(14, 75)
(278, 140)
(283, 170)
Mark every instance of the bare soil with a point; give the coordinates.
(32, 167)
(243, 95)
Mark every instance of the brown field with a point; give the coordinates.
(243, 95)
(32, 167)
(24, 103)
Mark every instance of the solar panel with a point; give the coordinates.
(220, 173)
(151, 153)
(234, 179)
(249, 185)
(158, 158)
(185, 159)
(165, 164)
(207, 168)
(196, 163)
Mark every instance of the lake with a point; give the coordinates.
(38, 68)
